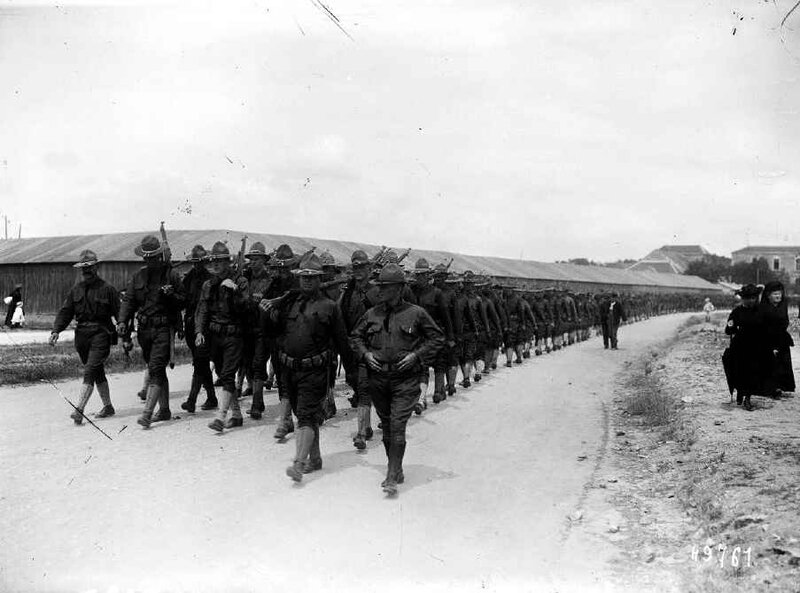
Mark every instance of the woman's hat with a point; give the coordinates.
(748, 291)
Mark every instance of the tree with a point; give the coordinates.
(712, 268)
(757, 272)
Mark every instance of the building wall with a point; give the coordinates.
(787, 259)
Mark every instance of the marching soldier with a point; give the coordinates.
(432, 300)
(281, 265)
(395, 339)
(516, 325)
(309, 331)
(446, 283)
(357, 297)
(611, 316)
(155, 296)
(92, 302)
(221, 311)
(256, 350)
(201, 365)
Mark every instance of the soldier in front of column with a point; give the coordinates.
(93, 303)
(611, 316)
(395, 339)
(432, 300)
(256, 350)
(201, 365)
(155, 296)
(221, 313)
(357, 297)
(309, 331)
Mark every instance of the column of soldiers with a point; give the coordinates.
(300, 318)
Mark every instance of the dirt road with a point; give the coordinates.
(491, 478)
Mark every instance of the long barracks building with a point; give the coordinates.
(44, 265)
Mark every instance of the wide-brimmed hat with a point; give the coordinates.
(218, 252)
(453, 278)
(422, 267)
(85, 259)
(390, 274)
(748, 291)
(468, 277)
(149, 247)
(283, 258)
(359, 258)
(257, 249)
(310, 265)
(440, 270)
(390, 257)
(197, 254)
(326, 259)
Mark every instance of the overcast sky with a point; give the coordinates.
(536, 129)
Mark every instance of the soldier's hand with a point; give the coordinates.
(228, 283)
(167, 289)
(53, 338)
(407, 362)
(201, 340)
(372, 362)
(241, 283)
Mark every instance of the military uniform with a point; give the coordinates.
(93, 303)
(256, 349)
(155, 296)
(447, 284)
(221, 313)
(395, 339)
(308, 330)
(357, 297)
(201, 365)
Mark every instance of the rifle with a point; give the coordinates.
(403, 256)
(168, 261)
(240, 256)
(378, 258)
(450, 263)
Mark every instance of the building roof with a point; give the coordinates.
(767, 248)
(670, 259)
(118, 247)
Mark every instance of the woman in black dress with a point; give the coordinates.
(775, 317)
(749, 351)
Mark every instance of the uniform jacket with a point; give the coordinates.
(391, 334)
(221, 305)
(432, 300)
(307, 325)
(145, 297)
(95, 301)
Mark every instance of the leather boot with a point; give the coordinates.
(153, 393)
(394, 474)
(218, 423)
(451, 380)
(163, 404)
(439, 394)
(211, 397)
(85, 394)
(747, 405)
(285, 423)
(304, 440)
(360, 440)
(105, 396)
(191, 399)
(314, 462)
(257, 405)
(739, 398)
(236, 413)
(329, 406)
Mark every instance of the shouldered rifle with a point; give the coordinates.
(240, 256)
(168, 261)
(378, 258)
(403, 255)
(450, 263)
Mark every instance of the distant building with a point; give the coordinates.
(781, 258)
(669, 259)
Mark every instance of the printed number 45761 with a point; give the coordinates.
(735, 558)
